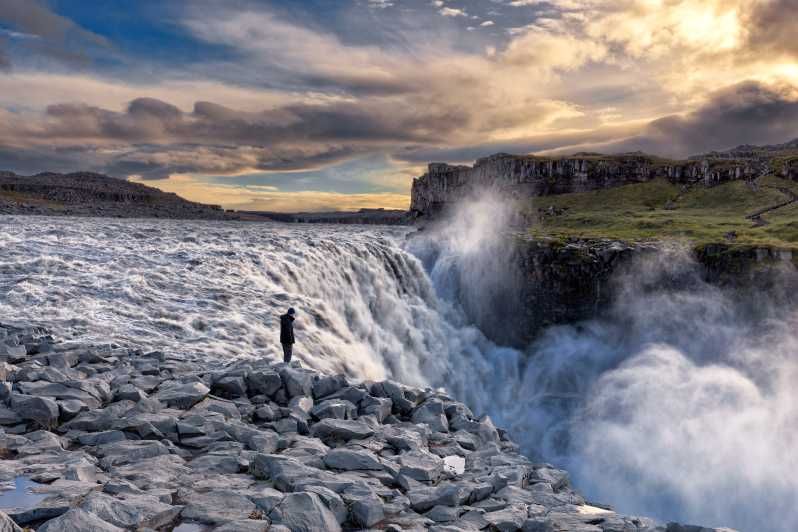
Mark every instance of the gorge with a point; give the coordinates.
(373, 304)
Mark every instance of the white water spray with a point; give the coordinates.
(679, 403)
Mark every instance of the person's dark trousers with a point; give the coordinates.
(288, 350)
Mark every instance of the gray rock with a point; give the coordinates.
(420, 465)
(132, 512)
(304, 512)
(367, 512)
(339, 429)
(509, 519)
(352, 460)
(431, 413)
(9, 417)
(444, 514)
(100, 438)
(324, 385)
(230, 387)
(128, 451)
(297, 382)
(78, 520)
(334, 409)
(267, 498)
(379, 407)
(264, 382)
(248, 525)
(183, 396)
(331, 499)
(129, 392)
(301, 404)
(41, 410)
(217, 507)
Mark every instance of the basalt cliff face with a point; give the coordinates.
(566, 281)
(528, 176)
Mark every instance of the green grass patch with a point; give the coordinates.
(659, 209)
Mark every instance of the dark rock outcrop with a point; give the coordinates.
(529, 176)
(90, 194)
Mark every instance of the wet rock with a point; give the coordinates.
(304, 512)
(129, 392)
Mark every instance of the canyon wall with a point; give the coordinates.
(529, 176)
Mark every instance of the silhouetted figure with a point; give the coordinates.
(287, 334)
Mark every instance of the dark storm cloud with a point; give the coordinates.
(746, 113)
(772, 27)
(153, 138)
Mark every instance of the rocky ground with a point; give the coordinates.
(110, 438)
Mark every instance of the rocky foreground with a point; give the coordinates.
(113, 438)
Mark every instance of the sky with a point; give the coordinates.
(296, 105)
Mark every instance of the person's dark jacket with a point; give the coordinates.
(286, 329)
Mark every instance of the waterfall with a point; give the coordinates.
(679, 403)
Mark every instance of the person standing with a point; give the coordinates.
(287, 334)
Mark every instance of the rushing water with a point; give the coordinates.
(680, 403)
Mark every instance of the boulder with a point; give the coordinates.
(41, 410)
(304, 512)
(183, 396)
(431, 413)
(324, 385)
(334, 409)
(230, 387)
(339, 429)
(263, 382)
(78, 520)
(217, 507)
(367, 512)
(420, 465)
(352, 460)
(297, 382)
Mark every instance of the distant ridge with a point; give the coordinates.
(93, 194)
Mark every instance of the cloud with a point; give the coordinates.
(452, 12)
(56, 35)
(746, 113)
(259, 198)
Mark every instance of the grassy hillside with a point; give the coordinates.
(659, 209)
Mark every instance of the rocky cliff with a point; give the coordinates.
(108, 438)
(529, 176)
(90, 194)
